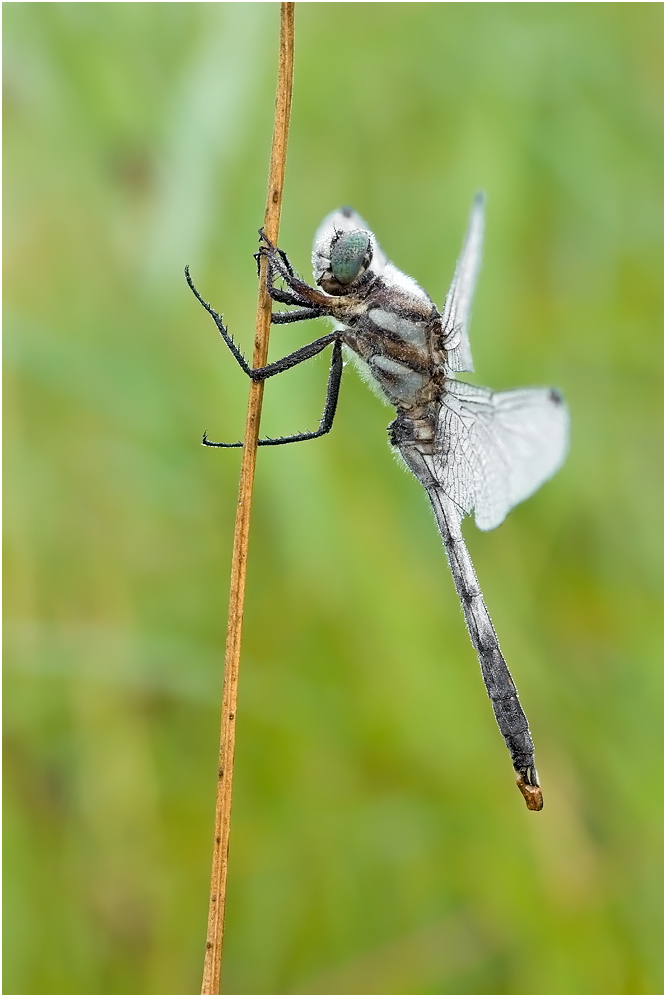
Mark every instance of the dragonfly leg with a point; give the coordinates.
(279, 366)
(285, 297)
(285, 259)
(312, 309)
(326, 422)
(229, 340)
(283, 318)
(298, 292)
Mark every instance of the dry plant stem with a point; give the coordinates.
(214, 939)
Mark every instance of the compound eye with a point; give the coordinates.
(349, 255)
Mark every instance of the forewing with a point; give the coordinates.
(458, 304)
(494, 449)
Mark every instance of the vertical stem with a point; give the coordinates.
(216, 910)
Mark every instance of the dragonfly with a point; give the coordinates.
(472, 449)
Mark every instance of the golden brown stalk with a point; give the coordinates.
(216, 910)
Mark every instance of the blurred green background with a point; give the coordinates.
(379, 845)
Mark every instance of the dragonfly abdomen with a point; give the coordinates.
(497, 679)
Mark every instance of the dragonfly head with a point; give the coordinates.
(350, 256)
(345, 261)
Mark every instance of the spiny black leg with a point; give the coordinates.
(283, 318)
(332, 394)
(289, 295)
(209, 443)
(269, 245)
(286, 363)
(285, 297)
(229, 340)
(268, 249)
(279, 265)
(293, 359)
(261, 373)
(285, 259)
(326, 423)
(264, 238)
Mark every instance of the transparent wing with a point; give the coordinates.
(458, 304)
(494, 449)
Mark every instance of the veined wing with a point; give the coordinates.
(494, 449)
(458, 304)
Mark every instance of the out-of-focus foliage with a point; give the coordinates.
(379, 845)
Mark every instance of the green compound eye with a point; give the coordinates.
(348, 255)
